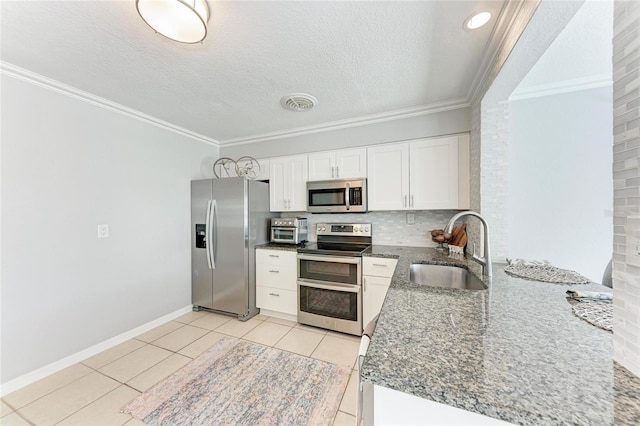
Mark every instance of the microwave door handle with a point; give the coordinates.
(347, 196)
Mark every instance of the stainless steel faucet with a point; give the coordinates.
(485, 260)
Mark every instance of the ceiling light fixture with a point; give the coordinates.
(180, 20)
(298, 102)
(477, 20)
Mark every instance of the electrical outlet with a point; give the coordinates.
(103, 231)
(411, 218)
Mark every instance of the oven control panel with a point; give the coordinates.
(344, 229)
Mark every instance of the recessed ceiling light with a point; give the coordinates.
(477, 20)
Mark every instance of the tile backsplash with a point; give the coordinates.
(388, 228)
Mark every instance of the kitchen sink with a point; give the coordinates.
(444, 276)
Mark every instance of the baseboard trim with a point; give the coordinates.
(54, 367)
(279, 315)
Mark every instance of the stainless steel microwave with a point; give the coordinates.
(337, 196)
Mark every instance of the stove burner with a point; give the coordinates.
(334, 249)
(340, 239)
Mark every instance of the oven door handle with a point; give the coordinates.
(332, 286)
(336, 259)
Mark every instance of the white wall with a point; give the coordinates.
(401, 129)
(67, 166)
(489, 135)
(560, 185)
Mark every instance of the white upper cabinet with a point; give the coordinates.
(425, 174)
(351, 163)
(433, 174)
(288, 183)
(388, 179)
(341, 164)
(322, 165)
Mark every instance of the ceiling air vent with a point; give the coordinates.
(298, 102)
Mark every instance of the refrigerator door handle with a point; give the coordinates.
(213, 233)
(207, 233)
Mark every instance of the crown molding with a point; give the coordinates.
(22, 74)
(352, 122)
(513, 19)
(559, 87)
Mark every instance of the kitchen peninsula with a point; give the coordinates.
(513, 352)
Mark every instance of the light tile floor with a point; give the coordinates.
(93, 391)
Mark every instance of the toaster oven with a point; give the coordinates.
(288, 230)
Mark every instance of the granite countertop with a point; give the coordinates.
(277, 246)
(516, 352)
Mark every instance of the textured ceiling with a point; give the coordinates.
(582, 51)
(358, 59)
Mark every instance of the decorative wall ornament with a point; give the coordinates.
(246, 166)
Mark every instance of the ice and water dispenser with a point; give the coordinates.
(201, 232)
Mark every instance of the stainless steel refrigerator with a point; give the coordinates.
(229, 217)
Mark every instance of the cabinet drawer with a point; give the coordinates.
(276, 257)
(378, 266)
(276, 268)
(277, 299)
(276, 276)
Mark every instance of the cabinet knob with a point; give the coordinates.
(273, 255)
(274, 294)
(274, 271)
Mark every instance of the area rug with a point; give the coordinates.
(236, 382)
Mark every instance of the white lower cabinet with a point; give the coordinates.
(276, 299)
(276, 275)
(376, 278)
(384, 406)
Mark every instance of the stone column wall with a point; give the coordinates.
(626, 182)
